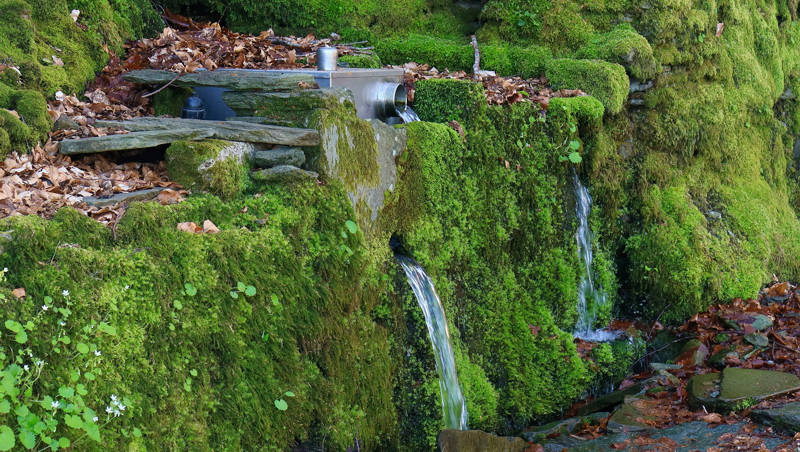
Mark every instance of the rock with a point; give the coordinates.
(691, 436)
(737, 388)
(627, 418)
(278, 156)
(610, 400)
(757, 339)
(564, 427)
(225, 130)
(694, 352)
(638, 86)
(478, 441)
(785, 418)
(214, 166)
(119, 198)
(64, 122)
(135, 140)
(228, 78)
(761, 322)
(283, 174)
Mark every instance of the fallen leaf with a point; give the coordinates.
(209, 227)
(18, 292)
(167, 197)
(712, 418)
(190, 226)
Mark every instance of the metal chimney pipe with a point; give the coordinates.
(327, 58)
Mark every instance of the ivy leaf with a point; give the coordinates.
(66, 392)
(27, 438)
(281, 405)
(21, 337)
(63, 442)
(7, 440)
(250, 291)
(73, 421)
(193, 372)
(351, 226)
(103, 327)
(240, 286)
(5, 406)
(234, 294)
(13, 326)
(575, 157)
(92, 430)
(137, 433)
(177, 304)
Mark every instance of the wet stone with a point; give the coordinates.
(757, 339)
(695, 352)
(735, 387)
(608, 401)
(627, 418)
(785, 418)
(64, 122)
(281, 155)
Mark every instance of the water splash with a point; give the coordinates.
(587, 291)
(407, 114)
(454, 407)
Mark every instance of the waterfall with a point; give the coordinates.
(407, 114)
(587, 291)
(454, 407)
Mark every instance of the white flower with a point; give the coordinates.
(121, 407)
(95, 419)
(65, 292)
(25, 367)
(54, 404)
(45, 307)
(127, 287)
(113, 398)
(62, 323)
(97, 353)
(117, 413)
(109, 409)
(5, 269)
(39, 362)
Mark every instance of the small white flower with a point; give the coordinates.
(62, 323)
(95, 419)
(45, 307)
(109, 409)
(121, 407)
(25, 367)
(39, 362)
(54, 404)
(5, 269)
(113, 398)
(127, 287)
(65, 292)
(30, 354)
(117, 413)
(97, 353)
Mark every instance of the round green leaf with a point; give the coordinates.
(190, 289)
(5, 406)
(351, 226)
(289, 394)
(178, 305)
(137, 433)
(281, 405)
(66, 392)
(7, 440)
(574, 145)
(234, 294)
(250, 291)
(21, 337)
(27, 438)
(13, 326)
(575, 157)
(240, 286)
(82, 348)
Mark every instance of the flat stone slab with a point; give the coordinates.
(785, 418)
(119, 198)
(691, 436)
(278, 156)
(478, 441)
(726, 391)
(283, 174)
(231, 79)
(610, 400)
(626, 419)
(134, 140)
(563, 427)
(225, 130)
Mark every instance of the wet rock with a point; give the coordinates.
(690, 436)
(640, 87)
(64, 122)
(478, 441)
(737, 388)
(135, 140)
(785, 418)
(283, 174)
(279, 156)
(563, 427)
(757, 339)
(656, 367)
(627, 418)
(761, 322)
(668, 346)
(608, 401)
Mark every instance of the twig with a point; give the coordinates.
(476, 66)
(122, 211)
(353, 43)
(162, 88)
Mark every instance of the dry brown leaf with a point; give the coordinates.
(18, 292)
(209, 227)
(167, 197)
(712, 418)
(189, 226)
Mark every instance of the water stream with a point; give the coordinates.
(407, 114)
(454, 407)
(588, 292)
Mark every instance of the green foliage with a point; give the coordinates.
(32, 108)
(608, 82)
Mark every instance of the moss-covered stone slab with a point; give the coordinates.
(231, 79)
(785, 418)
(295, 107)
(741, 384)
(278, 156)
(119, 198)
(134, 140)
(478, 441)
(224, 130)
(283, 174)
(608, 82)
(627, 418)
(214, 166)
(703, 390)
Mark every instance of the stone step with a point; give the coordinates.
(226, 130)
(229, 78)
(279, 156)
(134, 140)
(119, 198)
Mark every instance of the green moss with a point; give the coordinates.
(586, 110)
(32, 108)
(170, 101)
(5, 144)
(371, 61)
(16, 17)
(207, 166)
(19, 134)
(608, 82)
(6, 94)
(445, 100)
(623, 45)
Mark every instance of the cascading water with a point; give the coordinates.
(454, 406)
(587, 316)
(407, 114)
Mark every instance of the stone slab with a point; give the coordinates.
(134, 140)
(231, 79)
(119, 198)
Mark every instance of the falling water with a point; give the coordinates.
(407, 114)
(453, 404)
(587, 316)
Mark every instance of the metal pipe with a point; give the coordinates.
(390, 98)
(327, 58)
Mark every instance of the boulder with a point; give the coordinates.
(735, 389)
(64, 122)
(283, 174)
(785, 418)
(215, 166)
(694, 353)
(627, 418)
(478, 441)
(281, 155)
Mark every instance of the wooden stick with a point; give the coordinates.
(476, 67)
(177, 76)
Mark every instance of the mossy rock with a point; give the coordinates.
(623, 45)
(608, 82)
(445, 100)
(371, 61)
(19, 134)
(216, 166)
(736, 389)
(32, 108)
